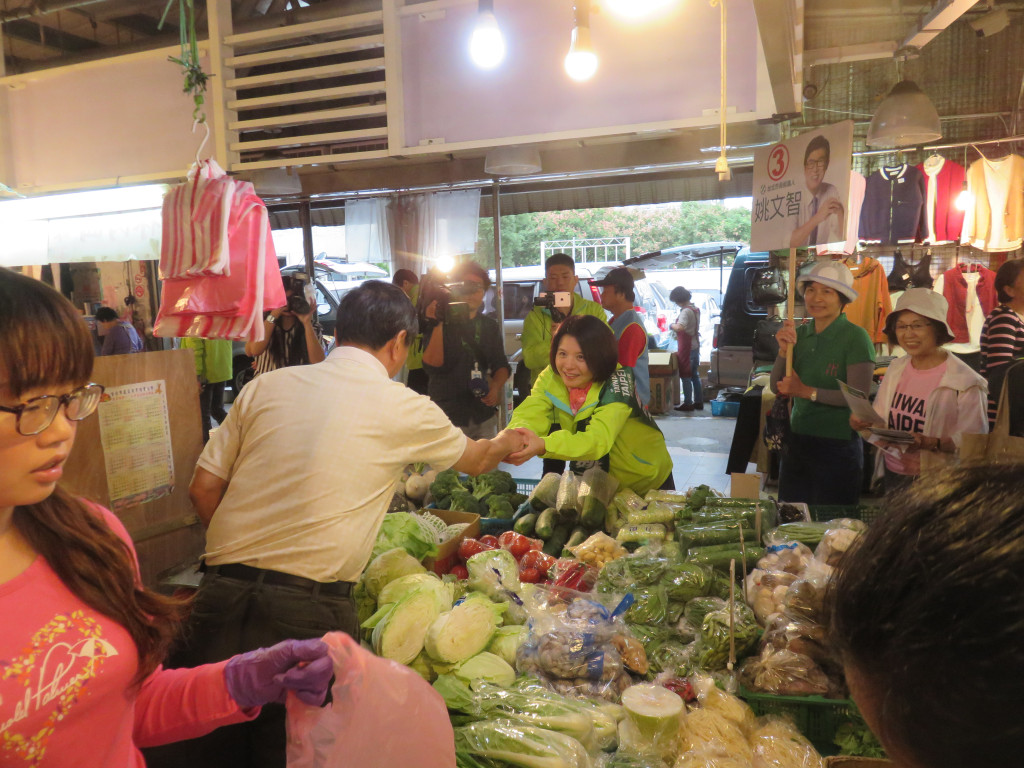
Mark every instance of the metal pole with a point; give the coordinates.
(307, 237)
(499, 300)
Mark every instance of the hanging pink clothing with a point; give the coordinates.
(944, 180)
(196, 218)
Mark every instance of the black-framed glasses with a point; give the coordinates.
(35, 415)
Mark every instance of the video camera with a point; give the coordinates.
(559, 303)
(300, 290)
(434, 287)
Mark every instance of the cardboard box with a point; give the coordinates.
(445, 558)
(663, 364)
(745, 486)
(663, 397)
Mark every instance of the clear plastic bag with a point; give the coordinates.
(596, 490)
(805, 598)
(835, 543)
(785, 673)
(373, 699)
(776, 743)
(598, 549)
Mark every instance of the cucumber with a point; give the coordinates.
(567, 517)
(593, 514)
(742, 503)
(554, 545)
(715, 533)
(525, 524)
(719, 559)
(545, 523)
(577, 537)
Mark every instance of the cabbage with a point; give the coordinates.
(387, 567)
(402, 530)
(463, 631)
(457, 695)
(487, 667)
(506, 642)
(399, 634)
(654, 714)
(492, 572)
(399, 588)
(421, 666)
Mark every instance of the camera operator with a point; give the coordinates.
(464, 357)
(291, 335)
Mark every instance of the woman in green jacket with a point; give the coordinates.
(593, 403)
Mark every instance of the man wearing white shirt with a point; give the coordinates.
(820, 219)
(293, 488)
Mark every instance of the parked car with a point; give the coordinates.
(343, 271)
(732, 356)
(328, 288)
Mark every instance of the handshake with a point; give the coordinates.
(520, 445)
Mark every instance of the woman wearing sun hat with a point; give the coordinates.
(929, 392)
(823, 458)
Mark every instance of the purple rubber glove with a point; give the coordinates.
(265, 676)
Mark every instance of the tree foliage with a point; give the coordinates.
(649, 227)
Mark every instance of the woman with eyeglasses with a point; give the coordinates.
(929, 393)
(81, 640)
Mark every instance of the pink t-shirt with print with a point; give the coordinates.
(66, 698)
(907, 411)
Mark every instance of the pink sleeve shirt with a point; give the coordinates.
(66, 697)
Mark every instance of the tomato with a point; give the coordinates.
(529, 575)
(515, 543)
(490, 541)
(470, 547)
(460, 572)
(537, 559)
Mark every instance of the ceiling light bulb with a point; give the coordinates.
(487, 44)
(581, 61)
(965, 199)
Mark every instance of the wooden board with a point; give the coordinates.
(166, 531)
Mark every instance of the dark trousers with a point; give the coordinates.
(821, 470)
(231, 616)
(418, 381)
(211, 403)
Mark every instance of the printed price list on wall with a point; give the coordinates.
(136, 437)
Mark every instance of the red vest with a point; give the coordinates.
(954, 288)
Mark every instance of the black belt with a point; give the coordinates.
(264, 576)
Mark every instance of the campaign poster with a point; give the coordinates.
(802, 190)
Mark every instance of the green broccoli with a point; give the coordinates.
(496, 482)
(499, 506)
(464, 501)
(517, 499)
(444, 485)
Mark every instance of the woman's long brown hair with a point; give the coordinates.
(44, 343)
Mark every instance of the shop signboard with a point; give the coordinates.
(802, 190)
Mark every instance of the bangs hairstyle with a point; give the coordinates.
(843, 298)
(42, 332)
(942, 336)
(373, 314)
(596, 340)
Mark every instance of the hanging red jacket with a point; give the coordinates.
(954, 289)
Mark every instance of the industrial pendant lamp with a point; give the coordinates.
(487, 44)
(581, 61)
(905, 118)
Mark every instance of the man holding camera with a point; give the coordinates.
(552, 308)
(290, 334)
(464, 356)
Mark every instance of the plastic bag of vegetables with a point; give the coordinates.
(494, 572)
(707, 731)
(805, 598)
(835, 543)
(596, 491)
(713, 698)
(786, 673)
(715, 631)
(652, 723)
(545, 493)
(650, 605)
(521, 745)
(631, 572)
(776, 743)
(598, 550)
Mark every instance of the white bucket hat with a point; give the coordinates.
(834, 274)
(926, 303)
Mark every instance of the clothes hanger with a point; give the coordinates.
(195, 124)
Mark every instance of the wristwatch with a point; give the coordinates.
(271, 319)
(814, 395)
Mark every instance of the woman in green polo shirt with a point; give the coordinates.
(593, 401)
(823, 458)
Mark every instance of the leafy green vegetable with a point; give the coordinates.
(855, 738)
(545, 492)
(444, 485)
(714, 635)
(456, 694)
(496, 482)
(463, 631)
(685, 581)
(624, 574)
(700, 607)
(492, 572)
(464, 501)
(388, 566)
(649, 606)
(506, 642)
(400, 587)
(399, 634)
(521, 745)
(400, 529)
(486, 667)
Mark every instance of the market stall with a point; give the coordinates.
(599, 628)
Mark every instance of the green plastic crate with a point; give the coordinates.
(815, 717)
(525, 486)
(821, 513)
